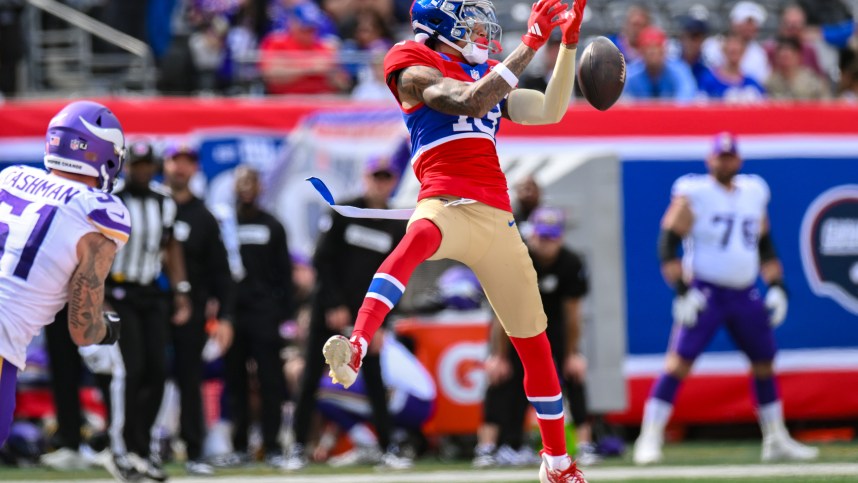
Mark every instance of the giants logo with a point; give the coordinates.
(460, 372)
(829, 245)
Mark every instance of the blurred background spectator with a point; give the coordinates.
(792, 25)
(694, 28)
(210, 278)
(655, 76)
(298, 60)
(728, 82)
(264, 300)
(790, 78)
(746, 18)
(628, 38)
(335, 47)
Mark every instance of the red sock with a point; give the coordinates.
(419, 243)
(543, 390)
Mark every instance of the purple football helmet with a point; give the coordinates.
(86, 138)
(460, 289)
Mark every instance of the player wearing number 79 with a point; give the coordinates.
(452, 99)
(59, 232)
(722, 220)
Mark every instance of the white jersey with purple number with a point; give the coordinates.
(42, 218)
(722, 247)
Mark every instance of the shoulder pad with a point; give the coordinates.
(108, 215)
(687, 185)
(754, 182)
(410, 53)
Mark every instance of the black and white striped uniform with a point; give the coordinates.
(133, 291)
(154, 213)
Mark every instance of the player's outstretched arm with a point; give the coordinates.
(527, 106)
(86, 289)
(675, 225)
(475, 99)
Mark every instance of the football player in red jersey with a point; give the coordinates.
(452, 98)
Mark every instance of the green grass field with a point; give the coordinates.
(700, 462)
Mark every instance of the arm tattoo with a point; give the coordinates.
(86, 290)
(450, 96)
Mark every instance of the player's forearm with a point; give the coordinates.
(86, 320)
(772, 271)
(535, 108)
(671, 270)
(175, 263)
(86, 292)
(476, 99)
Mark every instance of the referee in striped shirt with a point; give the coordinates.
(133, 292)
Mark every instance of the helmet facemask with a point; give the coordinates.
(470, 17)
(478, 16)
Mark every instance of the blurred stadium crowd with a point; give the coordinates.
(685, 50)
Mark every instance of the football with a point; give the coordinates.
(602, 73)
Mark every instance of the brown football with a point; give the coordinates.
(602, 73)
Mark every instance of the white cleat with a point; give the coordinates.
(359, 455)
(784, 448)
(647, 449)
(64, 459)
(570, 475)
(343, 356)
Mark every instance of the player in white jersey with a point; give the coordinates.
(59, 232)
(722, 221)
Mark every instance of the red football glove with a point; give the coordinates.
(571, 28)
(544, 16)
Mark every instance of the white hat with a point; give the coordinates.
(748, 10)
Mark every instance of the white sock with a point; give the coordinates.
(364, 345)
(771, 418)
(656, 415)
(558, 463)
(362, 436)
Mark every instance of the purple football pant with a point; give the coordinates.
(8, 377)
(740, 311)
(348, 407)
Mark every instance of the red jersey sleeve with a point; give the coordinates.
(406, 54)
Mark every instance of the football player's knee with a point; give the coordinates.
(677, 366)
(528, 330)
(763, 369)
